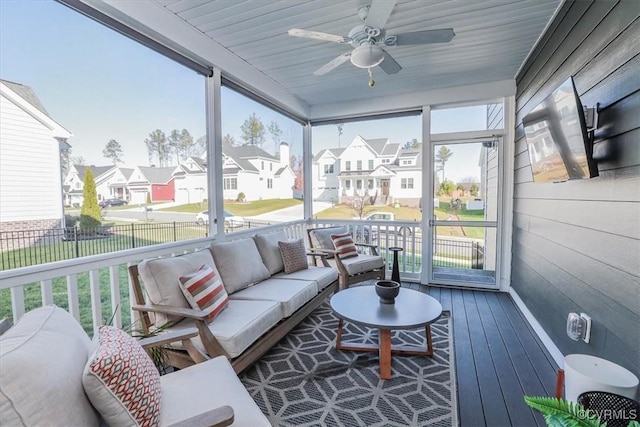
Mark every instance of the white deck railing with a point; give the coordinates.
(96, 289)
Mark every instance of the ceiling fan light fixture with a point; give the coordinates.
(367, 56)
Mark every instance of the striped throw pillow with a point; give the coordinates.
(204, 291)
(344, 245)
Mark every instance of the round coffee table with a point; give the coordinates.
(412, 309)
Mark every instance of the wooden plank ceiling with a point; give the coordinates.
(492, 39)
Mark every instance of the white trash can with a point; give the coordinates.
(589, 373)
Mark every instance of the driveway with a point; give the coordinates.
(292, 213)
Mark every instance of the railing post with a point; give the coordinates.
(75, 237)
(133, 237)
(175, 236)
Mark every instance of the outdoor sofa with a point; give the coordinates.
(265, 298)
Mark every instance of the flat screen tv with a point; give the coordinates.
(557, 139)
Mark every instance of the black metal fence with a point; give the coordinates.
(33, 247)
(458, 253)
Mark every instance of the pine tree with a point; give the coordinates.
(90, 213)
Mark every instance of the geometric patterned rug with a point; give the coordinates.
(304, 381)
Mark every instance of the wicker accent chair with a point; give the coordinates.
(367, 265)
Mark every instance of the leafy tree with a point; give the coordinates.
(90, 212)
(182, 145)
(200, 147)
(474, 190)
(158, 146)
(253, 132)
(414, 143)
(113, 151)
(446, 188)
(461, 188)
(186, 145)
(442, 157)
(173, 140)
(339, 127)
(276, 135)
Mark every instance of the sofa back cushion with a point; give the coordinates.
(239, 263)
(161, 279)
(267, 244)
(42, 358)
(321, 237)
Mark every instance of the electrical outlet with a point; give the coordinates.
(586, 335)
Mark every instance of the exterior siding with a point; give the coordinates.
(30, 176)
(576, 245)
(163, 192)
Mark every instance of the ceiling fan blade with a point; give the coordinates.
(296, 32)
(389, 65)
(423, 37)
(333, 64)
(379, 13)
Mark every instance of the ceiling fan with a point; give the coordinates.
(369, 38)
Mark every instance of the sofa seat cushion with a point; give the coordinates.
(160, 277)
(290, 294)
(196, 390)
(362, 263)
(267, 244)
(42, 358)
(239, 325)
(239, 263)
(322, 276)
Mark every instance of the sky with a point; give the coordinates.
(100, 85)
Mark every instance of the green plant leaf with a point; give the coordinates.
(561, 413)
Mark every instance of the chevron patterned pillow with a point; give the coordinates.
(121, 381)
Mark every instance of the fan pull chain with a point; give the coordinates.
(372, 82)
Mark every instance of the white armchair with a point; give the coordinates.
(366, 266)
(44, 360)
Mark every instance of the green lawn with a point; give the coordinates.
(259, 207)
(346, 212)
(33, 297)
(256, 207)
(413, 214)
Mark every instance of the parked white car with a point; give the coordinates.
(230, 220)
(369, 234)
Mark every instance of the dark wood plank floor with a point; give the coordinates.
(498, 358)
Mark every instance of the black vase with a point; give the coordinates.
(387, 290)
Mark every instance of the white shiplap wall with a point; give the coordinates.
(30, 186)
